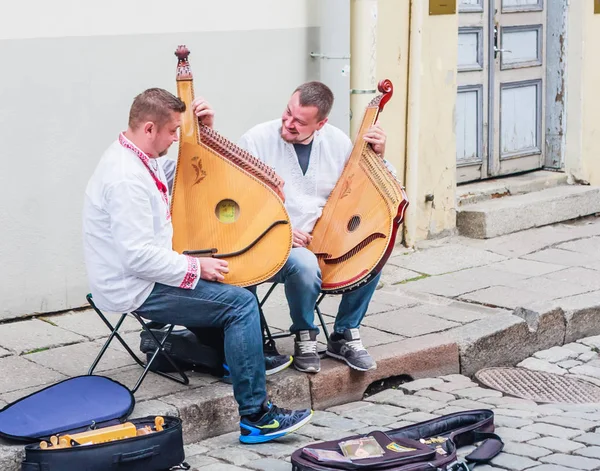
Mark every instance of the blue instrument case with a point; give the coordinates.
(82, 404)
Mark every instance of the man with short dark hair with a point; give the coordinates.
(132, 267)
(310, 155)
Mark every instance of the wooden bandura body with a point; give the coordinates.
(226, 203)
(355, 234)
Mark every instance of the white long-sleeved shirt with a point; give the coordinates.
(305, 194)
(127, 231)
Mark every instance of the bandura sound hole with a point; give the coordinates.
(353, 223)
(227, 211)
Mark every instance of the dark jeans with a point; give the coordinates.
(217, 305)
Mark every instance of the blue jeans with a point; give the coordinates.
(227, 307)
(301, 277)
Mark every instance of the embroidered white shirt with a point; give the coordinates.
(127, 232)
(305, 194)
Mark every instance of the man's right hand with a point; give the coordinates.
(213, 269)
(300, 238)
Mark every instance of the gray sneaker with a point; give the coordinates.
(306, 358)
(350, 349)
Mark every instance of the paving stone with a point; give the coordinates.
(552, 430)
(334, 421)
(27, 336)
(589, 452)
(417, 403)
(88, 323)
(577, 347)
(469, 404)
(556, 354)
(584, 277)
(589, 438)
(194, 449)
(19, 374)
(391, 274)
(447, 258)
(419, 416)
(511, 422)
(516, 413)
(316, 433)
(579, 302)
(453, 410)
(589, 245)
(552, 289)
(436, 395)
(201, 462)
(536, 364)
(516, 435)
(388, 396)
(560, 257)
(153, 407)
(234, 456)
(503, 296)
(4, 353)
(476, 393)
(61, 358)
(270, 464)
(420, 384)
(407, 323)
(456, 378)
(368, 417)
(524, 449)
(560, 445)
(372, 337)
(400, 424)
(449, 387)
(513, 462)
(460, 282)
(567, 365)
(281, 448)
(577, 462)
(520, 266)
(586, 370)
(569, 422)
(587, 356)
(550, 467)
(508, 401)
(592, 342)
(221, 467)
(349, 407)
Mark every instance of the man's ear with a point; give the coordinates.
(150, 128)
(322, 123)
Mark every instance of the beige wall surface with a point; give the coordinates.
(582, 158)
(68, 76)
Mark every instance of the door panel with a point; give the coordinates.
(501, 80)
(471, 106)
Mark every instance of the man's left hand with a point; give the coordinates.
(376, 137)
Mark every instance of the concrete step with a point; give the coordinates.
(514, 185)
(495, 217)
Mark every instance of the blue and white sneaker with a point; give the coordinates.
(274, 423)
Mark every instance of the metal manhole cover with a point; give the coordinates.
(539, 386)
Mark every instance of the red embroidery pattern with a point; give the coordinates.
(192, 273)
(146, 161)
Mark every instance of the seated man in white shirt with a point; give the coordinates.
(310, 155)
(132, 267)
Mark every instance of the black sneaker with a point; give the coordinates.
(273, 364)
(350, 349)
(306, 358)
(273, 424)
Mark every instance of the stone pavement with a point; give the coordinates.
(538, 437)
(452, 306)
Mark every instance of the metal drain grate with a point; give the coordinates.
(539, 386)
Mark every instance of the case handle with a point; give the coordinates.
(136, 455)
(492, 445)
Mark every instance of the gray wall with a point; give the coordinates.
(64, 100)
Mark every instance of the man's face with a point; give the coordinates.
(167, 135)
(299, 123)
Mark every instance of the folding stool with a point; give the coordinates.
(183, 379)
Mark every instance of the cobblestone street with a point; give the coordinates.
(538, 437)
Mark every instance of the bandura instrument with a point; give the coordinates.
(226, 203)
(356, 232)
